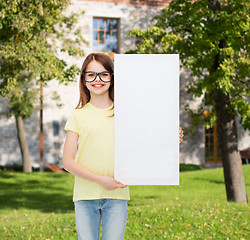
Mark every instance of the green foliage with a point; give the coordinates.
(190, 167)
(30, 32)
(18, 168)
(212, 42)
(39, 206)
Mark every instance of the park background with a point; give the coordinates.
(105, 26)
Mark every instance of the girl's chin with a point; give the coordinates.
(99, 91)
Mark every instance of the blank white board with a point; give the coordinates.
(147, 119)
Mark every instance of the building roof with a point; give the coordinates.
(155, 3)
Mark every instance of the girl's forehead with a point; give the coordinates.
(95, 66)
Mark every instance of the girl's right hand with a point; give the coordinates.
(110, 183)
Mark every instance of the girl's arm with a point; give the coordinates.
(69, 164)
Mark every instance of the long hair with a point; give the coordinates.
(108, 64)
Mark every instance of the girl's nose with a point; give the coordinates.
(98, 78)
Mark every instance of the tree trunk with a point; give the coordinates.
(233, 174)
(23, 144)
(228, 140)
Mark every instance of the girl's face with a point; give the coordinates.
(97, 87)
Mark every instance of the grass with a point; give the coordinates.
(39, 206)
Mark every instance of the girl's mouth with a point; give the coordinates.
(98, 85)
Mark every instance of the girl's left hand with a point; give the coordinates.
(181, 135)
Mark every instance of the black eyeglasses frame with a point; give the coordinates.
(97, 74)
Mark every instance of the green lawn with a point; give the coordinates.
(39, 206)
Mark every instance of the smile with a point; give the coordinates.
(98, 85)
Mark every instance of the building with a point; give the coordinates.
(105, 25)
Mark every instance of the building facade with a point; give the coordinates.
(105, 25)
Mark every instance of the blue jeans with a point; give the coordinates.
(89, 214)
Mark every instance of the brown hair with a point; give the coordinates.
(108, 64)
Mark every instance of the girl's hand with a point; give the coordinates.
(110, 183)
(181, 135)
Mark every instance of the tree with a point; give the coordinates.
(29, 49)
(212, 40)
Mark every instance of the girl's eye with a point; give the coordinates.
(105, 74)
(90, 74)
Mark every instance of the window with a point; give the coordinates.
(212, 148)
(105, 35)
(212, 153)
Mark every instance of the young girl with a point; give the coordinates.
(97, 195)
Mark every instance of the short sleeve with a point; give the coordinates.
(72, 123)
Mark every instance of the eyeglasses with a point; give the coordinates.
(91, 76)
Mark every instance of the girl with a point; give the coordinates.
(97, 195)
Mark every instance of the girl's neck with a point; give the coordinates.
(101, 101)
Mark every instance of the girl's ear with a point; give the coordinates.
(112, 80)
(83, 82)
